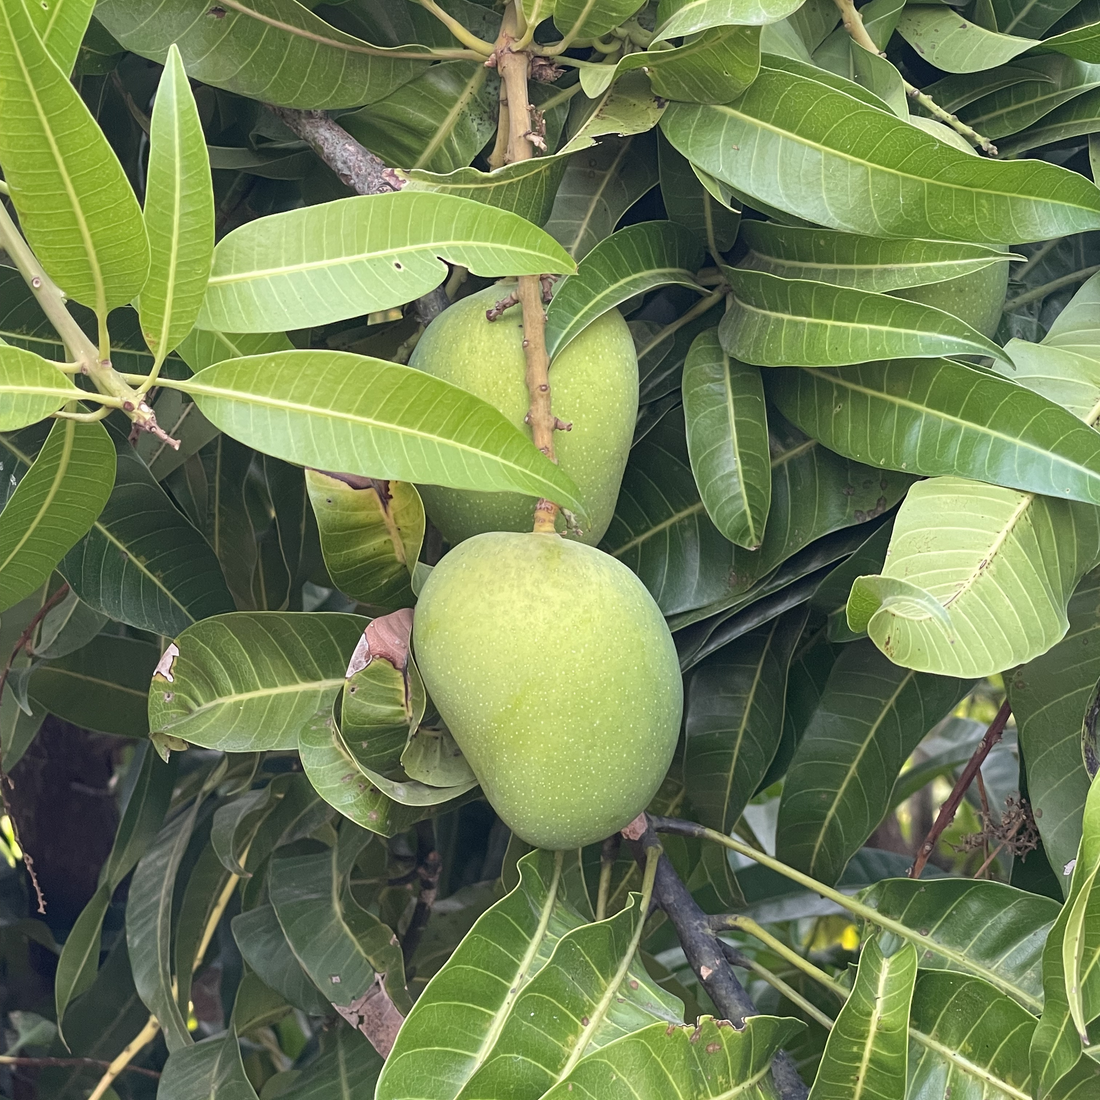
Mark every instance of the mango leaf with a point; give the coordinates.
(678, 17)
(957, 45)
(592, 991)
(714, 67)
(525, 187)
(439, 121)
(660, 527)
(53, 506)
(591, 18)
(338, 411)
(770, 144)
(867, 1052)
(987, 929)
(599, 185)
(1080, 42)
(141, 820)
(871, 716)
(966, 422)
(708, 1061)
(447, 1035)
(251, 680)
(733, 719)
(360, 255)
(30, 388)
(74, 202)
(179, 213)
(1006, 566)
(1073, 119)
(966, 1037)
(778, 322)
(278, 52)
(235, 823)
(339, 780)
(346, 1069)
(629, 262)
(629, 106)
(690, 204)
(371, 532)
(263, 946)
(339, 944)
(1049, 697)
(727, 438)
(103, 686)
(1071, 977)
(61, 27)
(142, 563)
(67, 627)
(211, 1068)
(864, 263)
(149, 916)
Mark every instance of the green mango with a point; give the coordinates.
(558, 678)
(593, 386)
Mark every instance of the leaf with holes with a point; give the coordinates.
(363, 254)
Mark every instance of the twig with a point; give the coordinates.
(949, 808)
(91, 1063)
(522, 136)
(429, 865)
(705, 952)
(93, 361)
(853, 24)
(736, 958)
(609, 853)
(130, 1052)
(1049, 288)
(358, 168)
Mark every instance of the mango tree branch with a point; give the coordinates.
(513, 66)
(705, 951)
(853, 24)
(80, 347)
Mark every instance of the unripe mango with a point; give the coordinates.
(557, 675)
(593, 386)
(977, 298)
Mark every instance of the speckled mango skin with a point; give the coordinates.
(593, 383)
(558, 678)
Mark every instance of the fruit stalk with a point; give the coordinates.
(513, 66)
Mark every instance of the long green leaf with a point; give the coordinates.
(733, 720)
(102, 687)
(1071, 964)
(142, 563)
(957, 45)
(61, 26)
(465, 1007)
(1049, 697)
(778, 322)
(55, 503)
(371, 532)
(712, 1060)
(75, 204)
(849, 259)
(632, 261)
(277, 52)
(251, 680)
(727, 438)
(941, 417)
(346, 1070)
(988, 929)
(792, 129)
(358, 255)
(977, 579)
(179, 213)
(30, 388)
(869, 719)
(966, 1037)
(211, 1069)
(867, 1052)
(677, 17)
(338, 411)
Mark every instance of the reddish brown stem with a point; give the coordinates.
(950, 807)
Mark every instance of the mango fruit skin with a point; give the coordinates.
(558, 678)
(977, 298)
(593, 385)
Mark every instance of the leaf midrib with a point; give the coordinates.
(298, 687)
